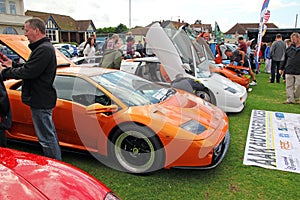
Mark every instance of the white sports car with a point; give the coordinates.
(175, 54)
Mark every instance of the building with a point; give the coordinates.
(12, 17)
(199, 27)
(59, 28)
(63, 28)
(240, 29)
(270, 34)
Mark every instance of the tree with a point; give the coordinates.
(106, 30)
(121, 28)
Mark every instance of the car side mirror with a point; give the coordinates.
(99, 108)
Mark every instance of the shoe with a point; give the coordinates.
(271, 81)
(297, 102)
(288, 102)
(253, 83)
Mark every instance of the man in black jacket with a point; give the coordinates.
(38, 92)
(292, 70)
(5, 113)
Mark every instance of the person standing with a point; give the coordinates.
(112, 58)
(38, 91)
(139, 48)
(288, 43)
(277, 55)
(89, 50)
(5, 113)
(267, 56)
(292, 70)
(130, 51)
(242, 45)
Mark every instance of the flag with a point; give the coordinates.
(267, 16)
(260, 29)
(264, 30)
(218, 34)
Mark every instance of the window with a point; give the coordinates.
(2, 6)
(12, 7)
(10, 30)
(51, 34)
(79, 90)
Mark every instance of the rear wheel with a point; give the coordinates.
(136, 149)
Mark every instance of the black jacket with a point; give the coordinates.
(5, 112)
(292, 60)
(38, 74)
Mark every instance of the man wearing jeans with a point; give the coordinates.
(38, 92)
(292, 70)
(277, 55)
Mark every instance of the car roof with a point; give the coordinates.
(83, 70)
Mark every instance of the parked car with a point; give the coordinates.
(9, 53)
(98, 48)
(72, 49)
(30, 176)
(231, 46)
(65, 52)
(151, 69)
(77, 60)
(177, 55)
(139, 126)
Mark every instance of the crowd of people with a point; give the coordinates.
(281, 59)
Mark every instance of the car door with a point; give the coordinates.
(74, 125)
(22, 126)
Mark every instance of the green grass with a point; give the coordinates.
(230, 180)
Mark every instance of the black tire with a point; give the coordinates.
(207, 95)
(136, 149)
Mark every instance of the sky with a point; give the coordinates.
(143, 12)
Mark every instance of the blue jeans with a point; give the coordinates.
(45, 131)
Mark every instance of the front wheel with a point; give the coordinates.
(207, 95)
(136, 149)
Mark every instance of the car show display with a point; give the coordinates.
(138, 125)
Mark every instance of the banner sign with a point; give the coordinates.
(273, 141)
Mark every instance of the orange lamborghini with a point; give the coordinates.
(137, 125)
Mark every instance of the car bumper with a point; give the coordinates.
(219, 153)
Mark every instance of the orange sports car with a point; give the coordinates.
(137, 125)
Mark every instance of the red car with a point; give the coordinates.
(29, 176)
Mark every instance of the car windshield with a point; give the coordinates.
(188, 52)
(133, 90)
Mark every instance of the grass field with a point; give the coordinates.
(230, 180)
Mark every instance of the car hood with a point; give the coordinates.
(14, 186)
(180, 108)
(175, 51)
(19, 44)
(165, 50)
(30, 176)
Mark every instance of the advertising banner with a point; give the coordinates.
(273, 141)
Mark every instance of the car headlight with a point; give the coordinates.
(194, 127)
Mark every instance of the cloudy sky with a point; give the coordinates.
(143, 12)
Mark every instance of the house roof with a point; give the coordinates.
(139, 31)
(64, 22)
(241, 28)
